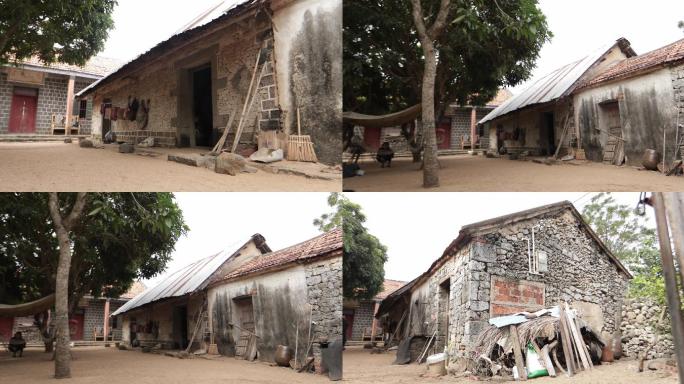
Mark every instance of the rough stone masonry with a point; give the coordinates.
(324, 292)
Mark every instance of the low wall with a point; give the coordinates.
(639, 319)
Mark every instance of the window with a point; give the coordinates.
(83, 109)
(537, 259)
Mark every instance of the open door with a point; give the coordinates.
(180, 326)
(202, 107)
(244, 310)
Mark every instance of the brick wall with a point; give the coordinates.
(511, 296)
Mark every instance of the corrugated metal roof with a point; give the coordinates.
(184, 281)
(548, 88)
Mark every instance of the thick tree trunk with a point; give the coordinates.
(62, 228)
(428, 36)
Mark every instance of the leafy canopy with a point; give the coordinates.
(486, 45)
(67, 31)
(632, 241)
(120, 238)
(364, 255)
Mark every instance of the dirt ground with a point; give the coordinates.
(362, 367)
(478, 173)
(66, 167)
(111, 366)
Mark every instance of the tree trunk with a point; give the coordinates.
(427, 42)
(62, 227)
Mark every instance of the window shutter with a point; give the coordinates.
(542, 261)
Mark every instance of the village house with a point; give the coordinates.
(361, 326)
(246, 302)
(454, 131)
(263, 65)
(90, 320)
(524, 261)
(610, 106)
(38, 99)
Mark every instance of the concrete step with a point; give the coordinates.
(12, 138)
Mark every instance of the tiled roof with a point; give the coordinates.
(670, 53)
(388, 287)
(98, 66)
(309, 249)
(135, 289)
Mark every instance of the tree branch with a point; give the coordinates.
(440, 21)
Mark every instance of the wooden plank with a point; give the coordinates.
(547, 361)
(517, 352)
(581, 348)
(566, 344)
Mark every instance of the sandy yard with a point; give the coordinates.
(362, 367)
(111, 366)
(66, 167)
(477, 173)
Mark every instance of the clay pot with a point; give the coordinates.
(283, 355)
(607, 355)
(650, 160)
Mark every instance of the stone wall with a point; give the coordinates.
(577, 272)
(324, 293)
(363, 319)
(638, 327)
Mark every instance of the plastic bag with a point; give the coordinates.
(534, 366)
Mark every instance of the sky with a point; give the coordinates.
(220, 221)
(141, 24)
(417, 227)
(582, 26)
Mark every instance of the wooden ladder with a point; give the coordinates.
(241, 345)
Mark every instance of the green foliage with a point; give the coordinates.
(632, 241)
(120, 238)
(67, 31)
(364, 255)
(486, 45)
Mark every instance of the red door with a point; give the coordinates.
(23, 114)
(371, 137)
(6, 324)
(76, 327)
(349, 323)
(443, 134)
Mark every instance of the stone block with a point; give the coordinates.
(483, 252)
(230, 164)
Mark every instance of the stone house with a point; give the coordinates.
(359, 315)
(252, 290)
(187, 89)
(36, 99)
(90, 320)
(610, 106)
(522, 261)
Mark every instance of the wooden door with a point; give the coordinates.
(244, 310)
(76, 327)
(6, 325)
(613, 153)
(371, 138)
(23, 114)
(444, 134)
(349, 324)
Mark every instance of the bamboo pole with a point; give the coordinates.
(671, 288)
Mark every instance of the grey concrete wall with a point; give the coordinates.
(646, 109)
(363, 319)
(308, 49)
(52, 97)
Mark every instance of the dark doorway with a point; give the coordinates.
(106, 117)
(202, 107)
(443, 321)
(548, 134)
(180, 326)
